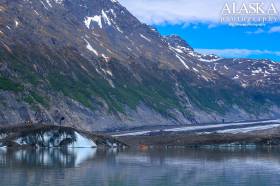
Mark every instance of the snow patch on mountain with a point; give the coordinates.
(236, 77)
(49, 3)
(90, 48)
(182, 61)
(144, 37)
(88, 21)
(105, 17)
(59, 1)
(203, 57)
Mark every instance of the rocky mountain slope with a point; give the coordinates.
(261, 74)
(96, 65)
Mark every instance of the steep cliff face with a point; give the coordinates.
(96, 65)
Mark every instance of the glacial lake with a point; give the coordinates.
(165, 167)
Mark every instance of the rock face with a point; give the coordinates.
(94, 64)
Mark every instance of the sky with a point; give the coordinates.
(199, 23)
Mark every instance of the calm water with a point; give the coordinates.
(88, 167)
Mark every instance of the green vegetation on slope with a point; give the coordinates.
(9, 85)
(153, 86)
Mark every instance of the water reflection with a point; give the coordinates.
(86, 167)
(52, 157)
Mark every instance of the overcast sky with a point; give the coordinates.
(198, 22)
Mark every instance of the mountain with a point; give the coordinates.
(261, 74)
(94, 64)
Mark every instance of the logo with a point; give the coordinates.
(249, 14)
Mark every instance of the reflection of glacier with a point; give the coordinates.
(53, 157)
(3, 150)
(82, 154)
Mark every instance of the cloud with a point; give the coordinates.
(178, 11)
(171, 11)
(274, 29)
(258, 31)
(238, 53)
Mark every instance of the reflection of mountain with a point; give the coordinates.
(157, 167)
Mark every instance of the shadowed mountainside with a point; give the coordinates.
(96, 65)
